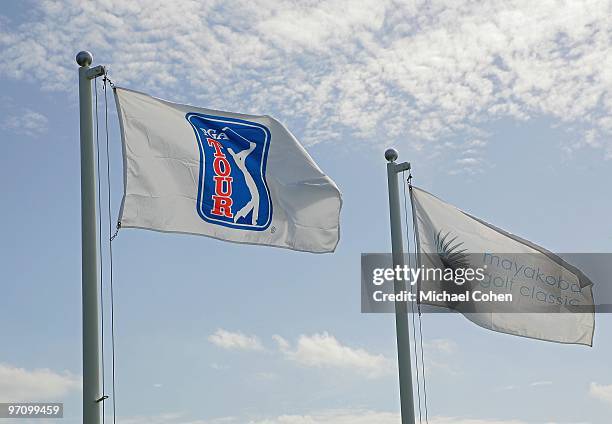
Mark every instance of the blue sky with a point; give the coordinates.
(503, 109)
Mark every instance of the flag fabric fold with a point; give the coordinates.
(234, 177)
(552, 300)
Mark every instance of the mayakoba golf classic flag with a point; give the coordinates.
(234, 177)
(550, 299)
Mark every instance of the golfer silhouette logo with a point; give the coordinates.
(252, 205)
(232, 189)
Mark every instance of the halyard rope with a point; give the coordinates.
(416, 356)
(111, 237)
(416, 249)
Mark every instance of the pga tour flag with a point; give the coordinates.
(234, 177)
(550, 299)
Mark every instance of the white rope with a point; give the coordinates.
(416, 249)
(416, 356)
(110, 249)
(110, 244)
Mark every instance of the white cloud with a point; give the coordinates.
(266, 376)
(27, 122)
(469, 161)
(317, 350)
(283, 344)
(541, 383)
(439, 356)
(218, 367)
(456, 420)
(20, 384)
(444, 346)
(383, 71)
(234, 340)
(353, 416)
(168, 418)
(325, 351)
(602, 392)
(335, 417)
(507, 388)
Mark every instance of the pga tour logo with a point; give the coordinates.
(232, 189)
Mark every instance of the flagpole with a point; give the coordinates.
(92, 396)
(401, 310)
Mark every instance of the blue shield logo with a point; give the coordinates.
(232, 189)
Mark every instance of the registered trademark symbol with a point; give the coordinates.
(273, 230)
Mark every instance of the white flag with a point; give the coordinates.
(551, 299)
(234, 177)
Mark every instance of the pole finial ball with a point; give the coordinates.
(391, 155)
(84, 58)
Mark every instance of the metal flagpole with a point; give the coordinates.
(401, 310)
(92, 396)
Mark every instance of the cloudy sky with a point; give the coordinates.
(504, 109)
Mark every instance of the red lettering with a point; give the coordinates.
(217, 146)
(220, 170)
(222, 200)
(222, 189)
(222, 206)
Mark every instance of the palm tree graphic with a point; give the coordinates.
(451, 255)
